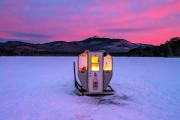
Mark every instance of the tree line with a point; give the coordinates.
(169, 49)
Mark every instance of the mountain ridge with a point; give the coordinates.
(91, 43)
(116, 47)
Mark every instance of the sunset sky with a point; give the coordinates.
(138, 21)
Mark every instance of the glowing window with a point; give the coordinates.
(95, 67)
(83, 61)
(95, 59)
(107, 63)
(95, 63)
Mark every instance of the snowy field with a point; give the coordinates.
(41, 88)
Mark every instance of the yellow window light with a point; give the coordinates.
(95, 67)
(107, 63)
(95, 59)
(95, 63)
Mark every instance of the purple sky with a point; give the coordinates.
(41, 21)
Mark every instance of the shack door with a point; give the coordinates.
(95, 75)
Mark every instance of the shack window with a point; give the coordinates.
(107, 62)
(95, 63)
(83, 61)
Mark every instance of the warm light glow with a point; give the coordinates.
(95, 63)
(107, 63)
(95, 59)
(83, 62)
(95, 67)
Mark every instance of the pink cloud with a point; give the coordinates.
(68, 20)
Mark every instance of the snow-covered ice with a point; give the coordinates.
(41, 88)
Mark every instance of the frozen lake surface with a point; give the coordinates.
(41, 88)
